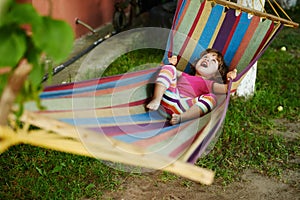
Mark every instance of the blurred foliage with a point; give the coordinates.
(24, 34)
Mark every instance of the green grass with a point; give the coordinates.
(34, 173)
(132, 61)
(246, 142)
(135, 60)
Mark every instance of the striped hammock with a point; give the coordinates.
(106, 118)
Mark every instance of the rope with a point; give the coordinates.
(285, 22)
(282, 10)
(273, 8)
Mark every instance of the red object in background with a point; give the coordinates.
(96, 13)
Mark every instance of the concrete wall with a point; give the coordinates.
(93, 12)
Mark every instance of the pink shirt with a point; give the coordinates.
(193, 86)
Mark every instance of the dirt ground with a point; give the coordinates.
(252, 185)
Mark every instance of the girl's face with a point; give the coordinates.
(208, 65)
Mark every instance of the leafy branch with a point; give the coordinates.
(26, 37)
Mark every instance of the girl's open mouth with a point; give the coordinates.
(204, 64)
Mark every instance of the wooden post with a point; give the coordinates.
(247, 85)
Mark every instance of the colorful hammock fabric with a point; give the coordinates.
(240, 37)
(108, 117)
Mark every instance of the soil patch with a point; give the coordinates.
(251, 186)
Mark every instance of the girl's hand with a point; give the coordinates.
(173, 60)
(232, 74)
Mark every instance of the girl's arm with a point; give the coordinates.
(173, 60)
(219, 88)
(178, 73)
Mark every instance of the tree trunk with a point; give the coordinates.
(287, 4)
(247, 86)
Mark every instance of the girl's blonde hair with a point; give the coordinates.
(223, 69)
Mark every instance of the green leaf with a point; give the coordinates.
(55, 37)
(13, 46)
(20, 110)
(33, 54)
(56, 169)
(3, 81)
(4, 7)
(36, 75)
(23, 14)
(90, 186)
(41, 172)
(38, 71)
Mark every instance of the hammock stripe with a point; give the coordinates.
(82, 88)
(208, 33)
(94, 81)
(255, 41)
(225, 33)
(245, 41)
(237, 36)
(193, 35)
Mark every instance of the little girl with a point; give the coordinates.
(185, 96)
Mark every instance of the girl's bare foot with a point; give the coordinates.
(176, 119)
(153, 105)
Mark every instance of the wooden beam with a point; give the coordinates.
(256, 13)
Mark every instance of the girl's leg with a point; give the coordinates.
(159, 91)
(203, 105)
(166, 80)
